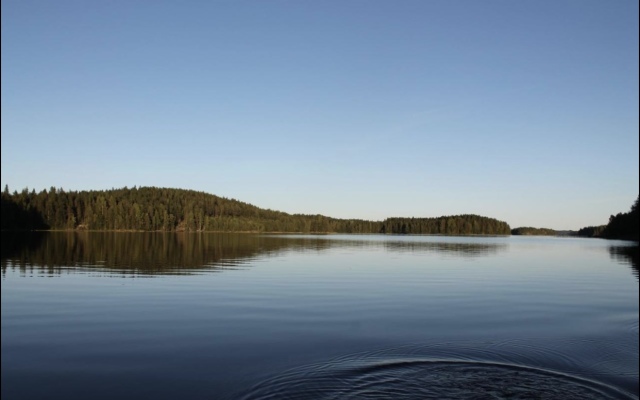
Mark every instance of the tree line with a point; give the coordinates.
(467, 224)
(591, 231)
(527, 230)
(165, 209)
(620, 226)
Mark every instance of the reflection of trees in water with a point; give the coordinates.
(457, 249)
(179, 253)
(629, 255)
(146, 253)
(14, 243)
(451, 248)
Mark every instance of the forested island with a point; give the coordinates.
(164, 209)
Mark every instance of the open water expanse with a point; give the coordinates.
(224, 316)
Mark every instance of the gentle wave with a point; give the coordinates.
(516, 369)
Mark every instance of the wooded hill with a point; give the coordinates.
(163, 209)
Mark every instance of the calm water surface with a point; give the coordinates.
(221, 316)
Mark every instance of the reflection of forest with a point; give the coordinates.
(178, 253)
(629, 255)
(457, 249)
(146, 253)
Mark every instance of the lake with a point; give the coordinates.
(244, 316)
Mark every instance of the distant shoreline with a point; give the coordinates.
(153, 209)
(249, 232)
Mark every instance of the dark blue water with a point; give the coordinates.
(213, 316)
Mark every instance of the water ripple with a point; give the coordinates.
(487, 370)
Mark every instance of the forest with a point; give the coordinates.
(620, 226)
(467, 224)
(527, 230)
(165, 209)
(591, 231)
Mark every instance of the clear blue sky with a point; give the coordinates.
(526, 111)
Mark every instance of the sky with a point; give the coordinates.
(524, 111)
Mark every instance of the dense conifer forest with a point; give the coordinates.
(620, 226)
(623, 225)
(591, 231)
(467, 224)
(527, 230)
(163, 209)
